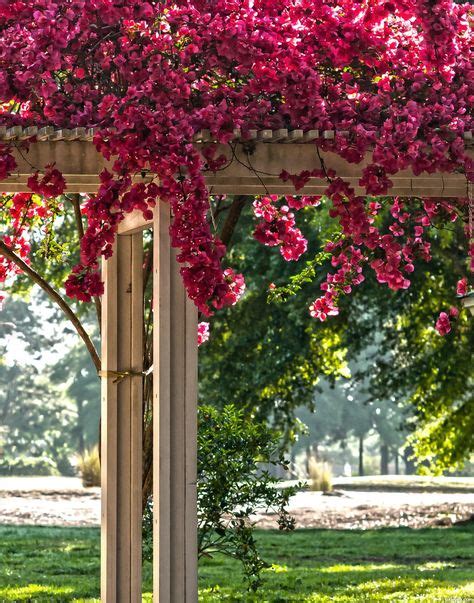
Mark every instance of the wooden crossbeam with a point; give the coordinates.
(250, 170)
(269, 136)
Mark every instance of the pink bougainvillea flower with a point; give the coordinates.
(324, 306)
(203, 332)
(453, 312)
(52, 184)
(461, 288)
(153, 77)
(443, 324)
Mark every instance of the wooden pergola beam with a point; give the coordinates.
(252, 169)
(174, 426)
(174, 423)
(121, 422)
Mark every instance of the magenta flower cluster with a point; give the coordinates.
(393, 80)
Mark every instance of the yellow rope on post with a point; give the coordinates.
(119, 375)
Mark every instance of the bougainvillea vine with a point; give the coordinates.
(393, 80)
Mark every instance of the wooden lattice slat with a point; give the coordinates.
(282, 135)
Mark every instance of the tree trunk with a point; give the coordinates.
(397, 462)
(384, 457)
(291, 473)
(361, 455)
(410, 467)
(308, 456)
(147, 483)
(80, 427)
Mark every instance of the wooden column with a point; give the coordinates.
(121, 427)
(175, 426)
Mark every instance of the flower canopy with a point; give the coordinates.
(394, 80)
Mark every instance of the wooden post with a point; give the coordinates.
(175, 426)
(121, 424)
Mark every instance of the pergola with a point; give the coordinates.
(253, 168)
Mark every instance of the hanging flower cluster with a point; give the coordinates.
(443, 324)
(203, 333)
(394, 80)
(277, 227)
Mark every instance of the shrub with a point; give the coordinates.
(28, 465)
(232, 486)
(320, 474)
(89, 467)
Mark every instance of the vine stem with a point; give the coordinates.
(75, 200)
(7, 252)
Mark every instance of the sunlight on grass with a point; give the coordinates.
(431, 589)
(32, 591)
(369, 567)
(277, 569)
(434, 565)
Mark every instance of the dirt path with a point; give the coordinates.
(63, 502)
(363, 510)
(48, 501)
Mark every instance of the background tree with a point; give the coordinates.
(388, 339)
(37, 419)
(430, 376)
(265, 357)
(76, 372)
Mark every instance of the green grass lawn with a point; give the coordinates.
(59, 564)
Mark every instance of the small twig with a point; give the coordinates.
(75, 200)
(25, 159)
(323, 165)
(258, 175)
(212, 215)
(250, 167)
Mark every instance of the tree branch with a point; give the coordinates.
(233, 216)
(55, 297)
(75, 199)
(235, 210)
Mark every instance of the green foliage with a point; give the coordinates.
(28, 465)
(75, 371)
(38, 427)
(234, 454)
(430, 376)
(54, 251)
(313, 566)
(405, 377)
(268, 357)
(310, 274)
(233, 482)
